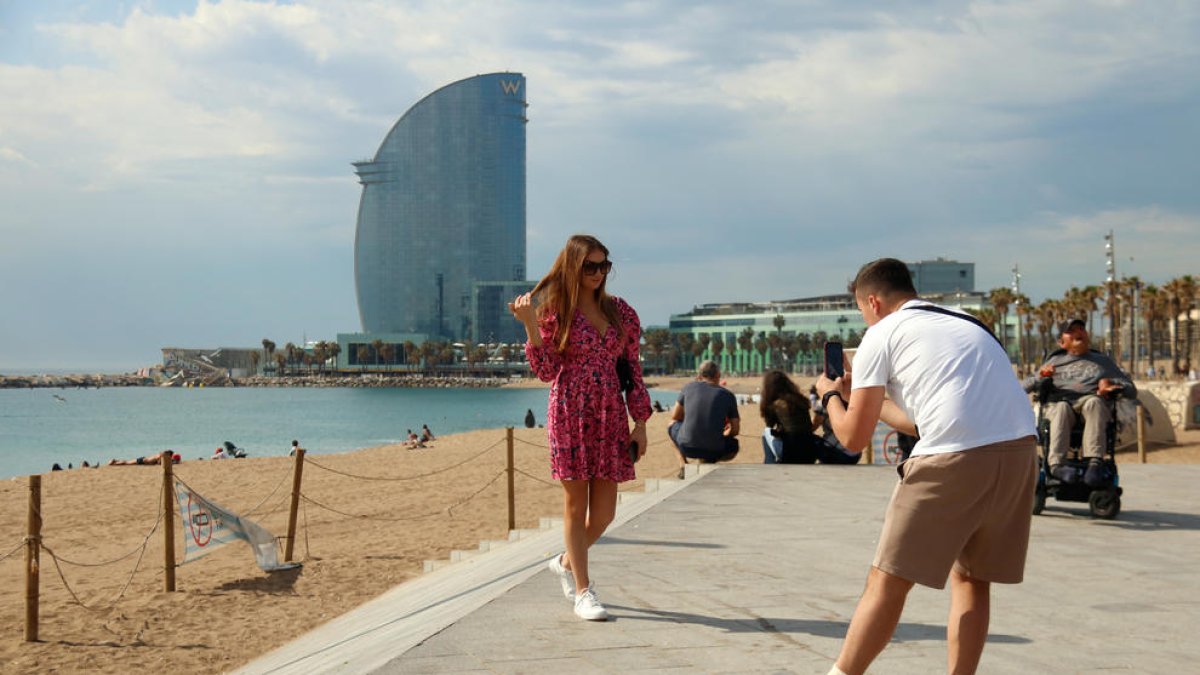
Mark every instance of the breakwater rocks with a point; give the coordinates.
(366, 381)
(73, 381)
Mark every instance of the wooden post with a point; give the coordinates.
(168, 499)
(512, 500)
(291, 533)
(869, 451)
(1141, 433)
(33, 549)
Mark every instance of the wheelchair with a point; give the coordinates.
(1104, 501)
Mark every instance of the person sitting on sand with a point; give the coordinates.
(426, 434)
(220, 453)
(148, 460)
(414, 441)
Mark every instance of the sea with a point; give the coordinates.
(42, 427)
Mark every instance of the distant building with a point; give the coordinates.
(943, 276)
(442, 209)
(229, 361)
(836, 317)
(491, 322)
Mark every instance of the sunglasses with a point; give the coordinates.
(590, 268)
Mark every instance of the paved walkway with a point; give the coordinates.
(757, 569)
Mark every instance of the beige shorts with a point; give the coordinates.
(969, 510)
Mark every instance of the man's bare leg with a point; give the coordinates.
(967, 627)
(874, 620)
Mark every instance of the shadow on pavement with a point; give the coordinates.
(905, 632)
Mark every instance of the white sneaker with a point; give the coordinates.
(565, 576)
(589, 608)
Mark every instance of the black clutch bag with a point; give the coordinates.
(624, 374)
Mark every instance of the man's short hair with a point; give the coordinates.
(1070, 325)
(884, 277)
(709, 370)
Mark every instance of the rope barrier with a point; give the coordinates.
(142, 546)
(447, 510)
(475, 493)
(309, 462)
(540, 480)
(286, 475)
(19, 546)
(75, 597)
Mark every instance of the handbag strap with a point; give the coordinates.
(958, 315)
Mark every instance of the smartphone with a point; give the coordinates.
(835, 360)
(633, 451)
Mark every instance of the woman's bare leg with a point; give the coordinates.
(599, 499)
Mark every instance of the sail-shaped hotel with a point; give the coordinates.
(440, 241)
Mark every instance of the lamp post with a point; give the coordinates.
(1110, 282)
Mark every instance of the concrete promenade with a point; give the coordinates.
(753, 568)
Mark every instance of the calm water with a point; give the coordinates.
(37, 429)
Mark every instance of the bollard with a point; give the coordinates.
(33, 548)
(512, 499)
(168, 499)
(870, 452)
(291, 532)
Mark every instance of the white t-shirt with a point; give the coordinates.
(951, 378)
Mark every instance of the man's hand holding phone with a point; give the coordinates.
(835, 375)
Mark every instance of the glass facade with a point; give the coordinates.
(443, 207)
(943, 276)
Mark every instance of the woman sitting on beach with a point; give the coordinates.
(576, 334)
(788, 436)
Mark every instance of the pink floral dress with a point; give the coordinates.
(587, 424)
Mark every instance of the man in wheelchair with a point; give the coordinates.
(1082, 378)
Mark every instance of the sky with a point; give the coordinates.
(178, 173)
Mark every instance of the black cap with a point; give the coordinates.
(1066, 326)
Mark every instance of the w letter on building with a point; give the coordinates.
(510, 87)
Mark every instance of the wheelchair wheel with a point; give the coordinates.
(1105, 504)
(1039, 498)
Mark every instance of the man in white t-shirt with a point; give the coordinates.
(963, 505)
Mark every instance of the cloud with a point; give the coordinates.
(775, 145)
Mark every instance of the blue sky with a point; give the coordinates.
(178, 173)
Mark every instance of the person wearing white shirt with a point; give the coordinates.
(963, 505)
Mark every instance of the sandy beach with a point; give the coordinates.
(359, 535)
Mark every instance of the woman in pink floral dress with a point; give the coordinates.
(576, 333)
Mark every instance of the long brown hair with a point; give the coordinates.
(558, 292)
(777, 385)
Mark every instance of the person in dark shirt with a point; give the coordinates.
(706, 421)
(788, 433)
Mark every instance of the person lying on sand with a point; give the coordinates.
(151, 459)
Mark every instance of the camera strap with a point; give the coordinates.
(958, 315)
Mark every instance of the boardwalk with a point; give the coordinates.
(757, 569)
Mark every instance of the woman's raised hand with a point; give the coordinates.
(522, 308)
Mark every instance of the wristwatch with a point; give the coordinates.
(830, 394)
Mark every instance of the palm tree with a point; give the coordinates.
(1001, 298)
(761, 346)
(775, 342)
(291, 351)
(377, 345)
(686, 342)
(280, 360)
(388, 352)
(718, 346)
(1154, 305)
(268, 348)
(320, 353)
(779, 322)
(412, 354)
(363, 354)
(334, 349)
(656, 341)
(704, 341)
(254, 357)
(429, 353)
